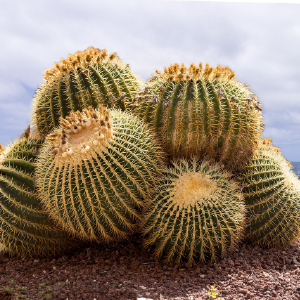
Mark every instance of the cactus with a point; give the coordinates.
(202, 112)
(197, 213)
(272, 195)
(95, 171)
(86, 78)
(25, 228)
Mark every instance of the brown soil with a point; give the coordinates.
(127, 271)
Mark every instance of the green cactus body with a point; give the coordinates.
(202, 112)
(197, 213)
(25, 228)
(95, 172)
(87, 78)
(272, 195)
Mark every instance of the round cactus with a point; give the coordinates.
(95, 171)
(202, 112)
(25, 228)
(197, 213)
(84, 79)
(272, 195)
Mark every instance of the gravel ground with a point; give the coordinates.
(125, 270)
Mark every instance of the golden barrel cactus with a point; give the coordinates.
(87, 78)
(95, 172)
(197, 213)
(202, 112)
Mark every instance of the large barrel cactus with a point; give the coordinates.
(197, 213)
(95, 172)
(25, 228)
(203, 112)
(272, 195)
(87, 78)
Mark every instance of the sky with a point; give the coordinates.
(259, 41)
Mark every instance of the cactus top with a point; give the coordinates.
(194, 187)
(81, 133)
(80, 59)
(178, 72)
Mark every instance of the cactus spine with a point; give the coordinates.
(202, 111)
(25, 229)
(197, 213)
(87, 78)
(272, 195)
(95, 171)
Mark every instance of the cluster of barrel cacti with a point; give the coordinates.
(178, 159)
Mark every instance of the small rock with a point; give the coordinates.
(243, 291)
(89, 252)
(295, 262)
(230, 262)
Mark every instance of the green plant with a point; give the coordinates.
(272, 195)
(43, 293)
(12, 291)
(95, 171)
(89, 77)
(202, 112)
(197, 213)
(25, 228)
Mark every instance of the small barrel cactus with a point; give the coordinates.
(272, 195)
(87, 78)
(25, 228)
(95, 172)
(202, 112)
(197, 214)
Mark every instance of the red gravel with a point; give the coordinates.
(127, 271)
